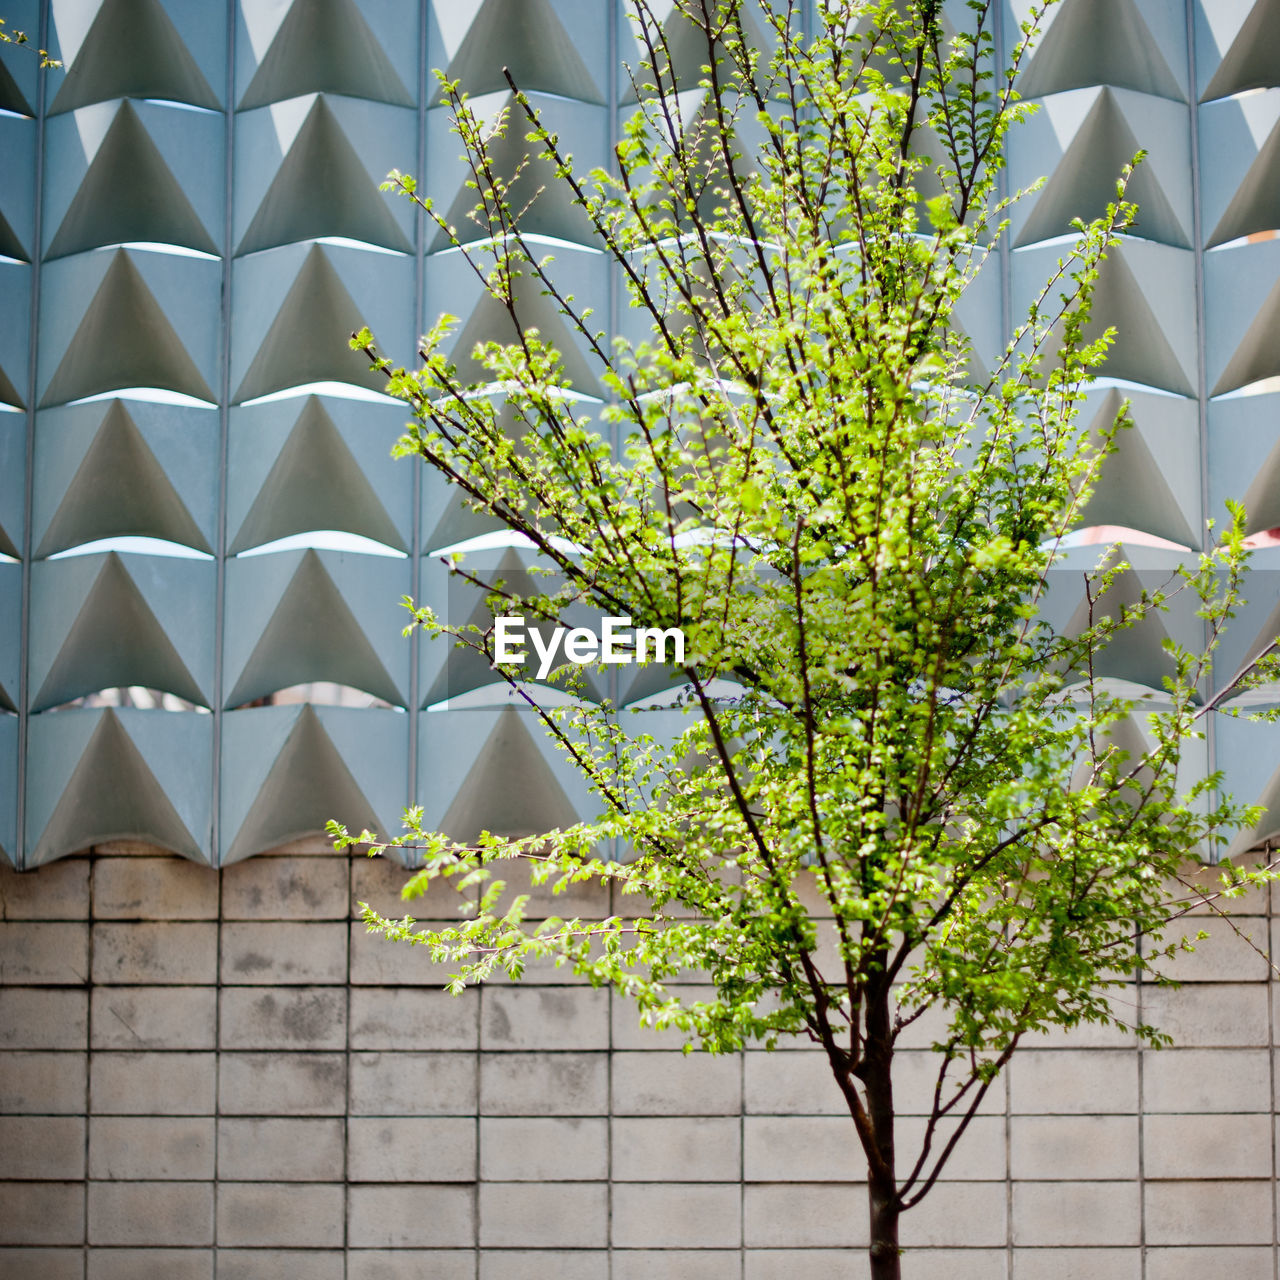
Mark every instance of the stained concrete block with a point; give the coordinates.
(151, 1213)
(411, 1149)
(564, 1264)
(411, 1264)
(409, 1018)
(396, 1084)
(283, 1018)
(1070, 1264)
(169, 952)
(1185, 1262)
(1054, 1148)
(543, 1149)
(791, 1084)
(801, 1148)
(1224, 956)
(677, 1264)
(1076, 1213)
(43, 953)
(151, 1147)
(677, 1215)
(1215, 1146)
(534, 1018)
(31, 1018)
(285, 889)
(45, 1147)
(1209, 1015)
(786, 1264)
(283, 953)
(282, 1084)
(150, 1264)
(1204, 1213)
(153, 1017)
(688, 1149)
(980, 1155)
(676, 1084)
(958, 1213)
(154, 889)
(1073, 1082)
(376, 961)
(412, 1217)
(280, 1150)
(58, 891)
(800, 1216)
(42, 1083)
(1210, 1080)
(153, 1083)
(280, 1214)
(554, 1215)
(281, 1264)
(48, 1264)
(36, 1213)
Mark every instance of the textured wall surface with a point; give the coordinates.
(203, 1068)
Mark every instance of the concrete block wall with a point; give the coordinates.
(209, 1073)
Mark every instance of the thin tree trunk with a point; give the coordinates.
(886, 1263)
(882, 1187)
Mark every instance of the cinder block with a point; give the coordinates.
(150, 1264)
(43, 953)
(791, 1084)
(410, 1018)
(31, 1018)
(679, 1264)
(554, 1215)
(378, 881)
(154, 889)
(1190, 1263)
(532, 1018)
(42, 1083)
(1224, 956)
(676, 1215)
(1212, 1080)
(411, 1149)
(588, 899)
(153, 1017)
(684, 1149)
(35, 1213)
(559, 1084)
(391, 1084)
(564, 1264)
(1073, 1082)
(47, 1264)
(413, 1217)
(58, 891)
(50, 1147)
(1208, 1015)
(156, 1147)
(979, 1156)
(410, 1264)
(626, 1031)
(280, 1215)
(256, 953)
(958, 1264)
(377, 962)
(173, 953)
(958, 1214)
(1076, 1213)
(787, 1264)
(915, 1079)
(283, 1018)
(796, 1149)
(174, 1084)
(151, 1213)
(282, 1084)
(534, 1149)
(676, 1084)
(1214, 1146)
(280, 1264)
(280, 1150)
(1071, 1264)
(798, 1216)
(1203, 1213)
(285, 889)
(1096, 1148)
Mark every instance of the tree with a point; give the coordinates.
(886, 785)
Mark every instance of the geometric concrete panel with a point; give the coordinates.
(1103, 126)
(494, 770)
(118, 774)
(1244, 457)
(12, 95)
(1240, 140)
(322, 185)
(15, 323)
(302, 298)
(10, 635)
(1256, 624)
(127, 190)
(133, 49)
(1248, 752)
(1242, 309)
(446, 519)
(290, 471)
(17, 192)
(111, 621)
(327, 46)
(526, 38)
(287, 770)
(299, 616)
(1125, 43)
(8, 789)
(126, 336)
(13, 472)
(99, 474)
(1248, 55)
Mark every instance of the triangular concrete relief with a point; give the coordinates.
(1255, 206)
(1250, 62)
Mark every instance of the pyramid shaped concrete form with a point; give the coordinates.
(325, 46)
(124, 340)
(510, 789)
(1099, 42)
(112, 794)
(129, 194)
(1255, 206)
(312, 634)
(133, 50)
(9, 393)
(322, 189)
(114, 640)
(526, 38)
(11, 97)
(682, 50)
(1250, 62)
(10, 245)
(315, 483)
(307, 784)
(1262, 498)
(120, 489)
(1257, 355)
(307, 340)
(1083, 183)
